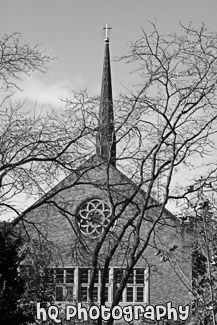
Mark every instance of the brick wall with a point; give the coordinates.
(169, 270)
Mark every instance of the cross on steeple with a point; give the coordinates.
(106, 30)
(105, 138)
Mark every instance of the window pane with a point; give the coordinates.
(59, 275)
(129, 294)
(95, 293)
(139, 294)
(118, 275)
(121, 295)
(84, 276)
(106, 294)
(69, 276)
(84, 294)
(130, 279)
(59, 293)
(140, 276)
(96, 280)
(106, 275)
(69, 294)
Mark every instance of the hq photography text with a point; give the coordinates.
(128, 313)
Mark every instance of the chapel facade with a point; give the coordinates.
(70, 226)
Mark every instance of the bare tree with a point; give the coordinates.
(36, 151)
(18, 60)
(167, 120)
(37, 148)
(198, 213)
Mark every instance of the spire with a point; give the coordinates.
(105, 139)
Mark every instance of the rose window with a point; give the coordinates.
(94, 216)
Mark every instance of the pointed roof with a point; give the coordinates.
(105, 139)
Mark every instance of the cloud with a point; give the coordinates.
(44, 91)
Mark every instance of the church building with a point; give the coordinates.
(91, 232)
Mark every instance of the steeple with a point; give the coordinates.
(105, 139)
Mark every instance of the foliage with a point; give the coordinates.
(201, 210)
(163, 124)
(21, 285)
(205, 279)
(12, 285)
(166, 121)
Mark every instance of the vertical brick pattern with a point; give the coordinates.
(62, 233)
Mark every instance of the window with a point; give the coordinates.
(94, 215)
(71, 283)
(134, 291)
(69, 276)
(59, 276)
(64, 280)
(59, 294)
(85, 275)
(139, 294)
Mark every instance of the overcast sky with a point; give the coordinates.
(72, 31)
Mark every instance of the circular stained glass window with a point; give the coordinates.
(94, 215)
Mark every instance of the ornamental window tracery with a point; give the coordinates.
(94, 215)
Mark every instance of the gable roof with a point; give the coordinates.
(70, 180)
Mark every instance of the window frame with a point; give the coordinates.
(72, 291)
(62, 284)
(97, 285)
(133, 285)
